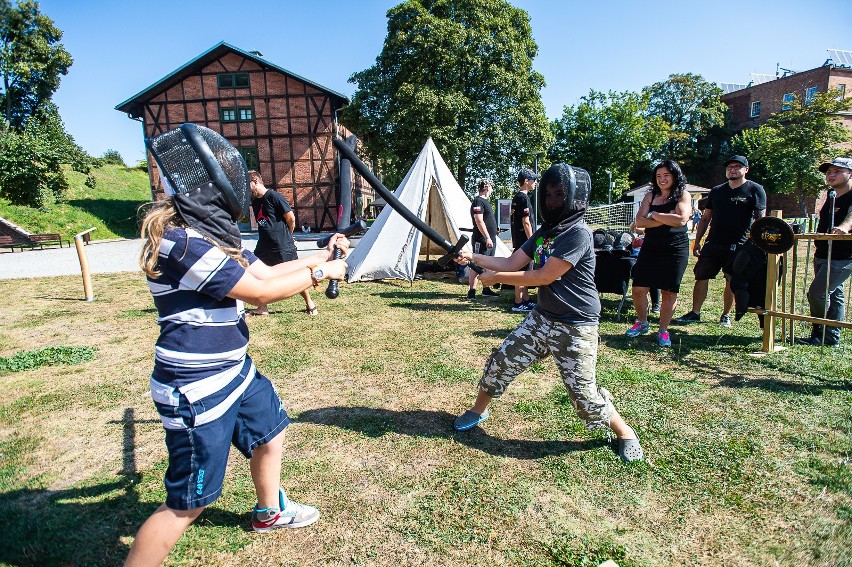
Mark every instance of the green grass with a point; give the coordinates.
(748, 459)
(111, 207)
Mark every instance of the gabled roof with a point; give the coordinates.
(133, 105)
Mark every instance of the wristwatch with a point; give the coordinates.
(317, 275)
(650, 215)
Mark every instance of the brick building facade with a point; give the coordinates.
(753, 105)
(281, 123)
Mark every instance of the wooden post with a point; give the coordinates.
(84, 264)
(771, 298)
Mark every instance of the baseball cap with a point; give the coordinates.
(525, 174)
(843, 162)
(737, 159)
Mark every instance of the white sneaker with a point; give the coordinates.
(289, 514)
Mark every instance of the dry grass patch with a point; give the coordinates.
(748, 459)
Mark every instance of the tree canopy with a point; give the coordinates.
(461, 72)
(32, 60)
(789, 146)
(608, 131)
(695, 114)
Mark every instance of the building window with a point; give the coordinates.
(810, 93)
(233, 114)
(755, 109)
(233, 80)
(249, 154)
(841, 91)
(789, 99)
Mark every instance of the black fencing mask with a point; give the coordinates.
(208, 179)
(563, 195)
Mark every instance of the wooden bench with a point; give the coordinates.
(9, 242)
(40, 240)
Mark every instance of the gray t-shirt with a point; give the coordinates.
(573, 298)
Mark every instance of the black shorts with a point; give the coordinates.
(518, 240)
(714, 258)
(274, 258)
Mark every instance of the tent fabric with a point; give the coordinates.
(391, 246)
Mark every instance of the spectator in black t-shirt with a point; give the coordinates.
(275, 224)
(484, 233)
(838, 175)
(522, 230)
(730, 210)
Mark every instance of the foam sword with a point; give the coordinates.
(415, 221)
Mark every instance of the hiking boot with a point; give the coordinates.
(488, 292)
(725, 321)
(521, 307)
(688, 318)
(663, 339)
(288, 514)
(469, 420)
(655, 309)
(638, 328)
(471, 294)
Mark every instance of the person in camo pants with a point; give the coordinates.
(575, 352)
(565, 321)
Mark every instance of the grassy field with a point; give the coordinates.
(110, 207)
(748, 459)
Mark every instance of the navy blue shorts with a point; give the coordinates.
(198, 453)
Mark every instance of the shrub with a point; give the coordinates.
(112, 157)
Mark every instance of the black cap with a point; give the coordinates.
(843, 162)
(737, 159)
(525, 174)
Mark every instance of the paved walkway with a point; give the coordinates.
(105, 257)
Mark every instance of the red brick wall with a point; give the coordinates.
(292, 130)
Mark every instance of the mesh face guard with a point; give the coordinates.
(194, 158)
(576, 185)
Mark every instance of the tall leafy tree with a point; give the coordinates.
(789, 146)
(608, 131)
(695, 113)
(461, 72)
(32, 61)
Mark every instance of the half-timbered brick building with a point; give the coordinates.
(281, 123)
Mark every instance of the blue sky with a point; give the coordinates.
(119, 48)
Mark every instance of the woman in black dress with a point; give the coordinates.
(663, 214)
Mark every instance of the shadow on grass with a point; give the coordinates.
(438, 424)
(86, 525)
(118, 215)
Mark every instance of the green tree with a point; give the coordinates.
(32, 60)
(461, 72)
(31, 160)
(608, 131)
(788, 147)
(695, 114)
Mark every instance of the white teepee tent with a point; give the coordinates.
(391, 246)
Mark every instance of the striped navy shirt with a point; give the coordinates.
(201, 350)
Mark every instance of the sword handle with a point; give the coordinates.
(332, 291)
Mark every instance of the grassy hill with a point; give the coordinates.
(110, 207)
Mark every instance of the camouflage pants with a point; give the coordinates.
(575, 352)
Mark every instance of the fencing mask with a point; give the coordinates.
(208, 179)
(563, 195)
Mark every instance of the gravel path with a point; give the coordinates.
(105, 257)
